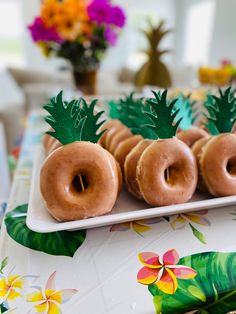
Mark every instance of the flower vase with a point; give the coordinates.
(85, 81)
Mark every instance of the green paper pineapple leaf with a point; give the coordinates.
(131, 112)
(73, 121)
(208, 105)
(221, 112)
(187, 111)
(163, 116)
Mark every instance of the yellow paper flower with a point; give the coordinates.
(11, 287)
(49, 12)
(48, 300)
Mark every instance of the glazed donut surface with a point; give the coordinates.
(158, 188)
(118, 138)
(190, 136)
(106, 126)
(218, 165)
(197, 151)
(59, 179)
(130, 167)
(125, 147)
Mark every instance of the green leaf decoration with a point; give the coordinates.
(3, 264)
(3, 308)
(187, 111)
(73, 121)
(212, 291)
(208, 104)
(221, 112)
(198, 234)
(163, 116)
(131, 112)
(63, 243)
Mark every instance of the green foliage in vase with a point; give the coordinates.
(221, 110)
(131, 112)
(73, 121)
(154, 72)
(187, 111)
(212, 291)
(163, 116)
(63, 243)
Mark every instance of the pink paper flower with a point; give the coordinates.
(163, 271)
(39, 32)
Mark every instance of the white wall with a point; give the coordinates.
(224, 32)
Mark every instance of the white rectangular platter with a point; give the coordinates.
(127, 208)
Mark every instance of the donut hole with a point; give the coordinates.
(171, 174)
(80, 183)
(231, 166)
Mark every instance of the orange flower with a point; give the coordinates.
(49, 11)
(72, 19)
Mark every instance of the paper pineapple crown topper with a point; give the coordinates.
(73, 121)
(131, 112)
(221, 111)
(163, 116)
(157, 118)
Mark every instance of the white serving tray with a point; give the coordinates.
(127, 208)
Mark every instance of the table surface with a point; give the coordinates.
(174, 264)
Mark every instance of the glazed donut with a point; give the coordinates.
(60, 181)
(120, 177)
(118, 138)
(124, 148)
(112, 132)
(55, 144)
(218, 165)
(197, 151)
(172, 154)
(106, 126)
(190, 136)
(130, 167)
(47, 140)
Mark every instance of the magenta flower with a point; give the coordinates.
(118, 17)
(102, 12)
(40, 33)
(110, 36)
(99, 11)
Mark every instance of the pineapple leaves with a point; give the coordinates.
(131, 112)
(73, 121)
(163, 116)
(221, 112)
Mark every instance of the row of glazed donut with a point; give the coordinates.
(162, 172)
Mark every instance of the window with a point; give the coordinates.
(11, 33)
(198, 32)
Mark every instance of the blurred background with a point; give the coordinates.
(203, 33)
(197, 52)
